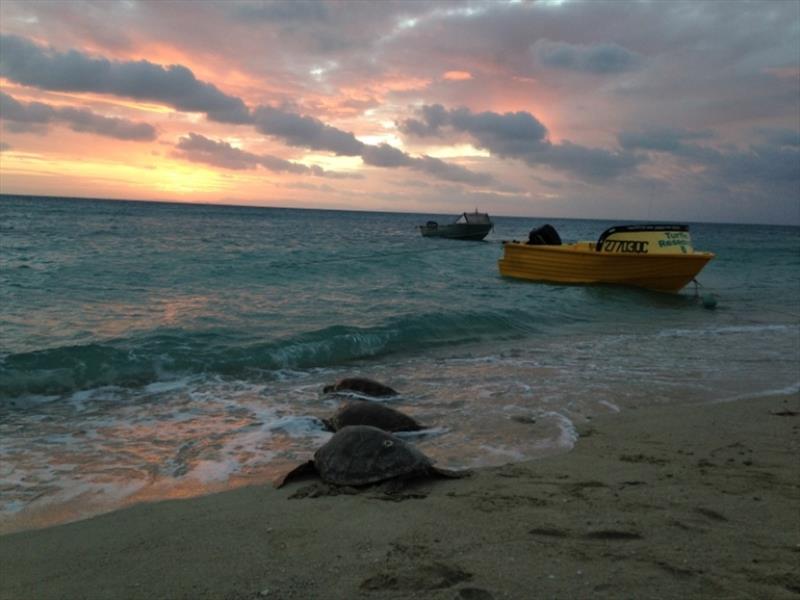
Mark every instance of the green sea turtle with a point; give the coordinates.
(360, 455)
(361, 385)
(366, 412)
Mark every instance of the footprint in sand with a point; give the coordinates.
(600, 534)
(711, 514)
(612, 534)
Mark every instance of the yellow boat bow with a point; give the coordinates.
(656, 257)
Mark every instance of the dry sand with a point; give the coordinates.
(664, 502)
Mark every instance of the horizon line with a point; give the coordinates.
(389, 212)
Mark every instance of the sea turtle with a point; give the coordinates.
(361, 385)
(366, 412)
(360, 455)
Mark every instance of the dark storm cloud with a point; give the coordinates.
(306, 132)
(198, 148)
(601, 59)
(23, 62)
(521, 136)
(24, 116)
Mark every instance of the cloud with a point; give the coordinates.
(197, 148)
(450, 172)
(26, 116)
(777, 159)
(781, 137)
(306, 132)
(758, 166)
(297, 11)
(590, 164)
(433, 117)
(762, 163)
(457, 76)
(521, 136)
(387, 156)
(599, 59)
(24, 62)
(659, 139)
(507, 135)
(758, 169)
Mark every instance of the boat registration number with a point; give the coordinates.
(626, 246)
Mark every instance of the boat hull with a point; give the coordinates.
(457, 231)
(580, 263)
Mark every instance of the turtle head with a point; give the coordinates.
(328, 389)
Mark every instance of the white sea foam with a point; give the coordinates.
(159, 387)
(610, 405)
(209, 471)
(568, 434)
(790, 390)
(505, 452)
(296, 426)
(724, 330)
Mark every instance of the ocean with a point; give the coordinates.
(151, 351)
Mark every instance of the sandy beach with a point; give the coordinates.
(661, 502)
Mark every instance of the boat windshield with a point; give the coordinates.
(474, 218)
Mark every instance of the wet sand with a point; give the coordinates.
(659, 502)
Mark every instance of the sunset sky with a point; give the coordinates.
(622, 110)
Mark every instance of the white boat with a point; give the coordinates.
(469, 226)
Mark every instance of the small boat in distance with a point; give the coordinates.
(469, 226)
(655, 257)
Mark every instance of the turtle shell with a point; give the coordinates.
(361, 385)
(361, 454)
(365, 412)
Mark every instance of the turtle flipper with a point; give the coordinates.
(305, 468)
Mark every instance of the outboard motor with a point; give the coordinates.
(546, 235)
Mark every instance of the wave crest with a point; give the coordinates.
(141, 360)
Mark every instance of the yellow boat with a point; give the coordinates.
(656, 257)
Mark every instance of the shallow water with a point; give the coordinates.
(153, 351)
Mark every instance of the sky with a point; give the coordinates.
(651, 110)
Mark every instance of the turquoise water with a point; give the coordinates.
(153, 350)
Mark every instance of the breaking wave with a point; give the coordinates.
(144, 359)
